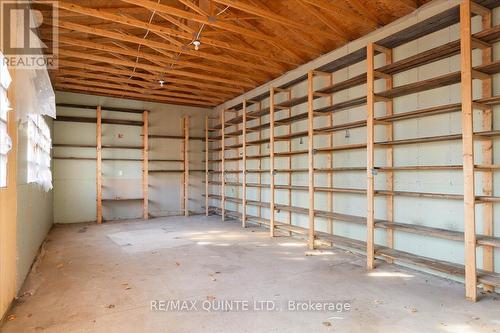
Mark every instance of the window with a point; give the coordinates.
(39, 145)
(5, 142)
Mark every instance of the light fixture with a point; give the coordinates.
(347, 134)
(196, 44)
(161, 80)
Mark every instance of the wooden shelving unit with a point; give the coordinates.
(374, 122)
(99, 160)
(99, 146)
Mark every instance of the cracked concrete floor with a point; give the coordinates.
(103, 278)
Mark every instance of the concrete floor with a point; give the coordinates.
(103, 278)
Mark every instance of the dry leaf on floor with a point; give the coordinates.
(327, 323)
(11, 317)
(110, 306)
(177, 263)
(61, 265)
(413, 310)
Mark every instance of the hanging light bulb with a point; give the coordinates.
(196, 44)
(301, 141)
(161, 81)
(347, 134)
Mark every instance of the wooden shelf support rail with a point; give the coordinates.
(99, 164)
(186, 164)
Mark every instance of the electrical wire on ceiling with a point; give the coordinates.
(145, 36)
(196, 42)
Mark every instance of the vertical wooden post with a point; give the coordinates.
(370, 138)
(223, 176)
(244, 181)
(468, 151)
(330, 158)
(206, 164)
(310, 155)
(186, 165)
(487, 159)
(289, 173)
(99, 164)
(389, 107)
(271, 161)
(260, 160)
(145, 165)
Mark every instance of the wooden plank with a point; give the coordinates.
(223, 169)
(260, 160)
(389, 107)
(207, 156)
(99, 163)
(310, 156)
(186, 165)
(468, 151)
(91, 120)
(331, 156)
(93, 107)
(289, 148)
(145, 165)
(487, 159)
(271, 162)
(244, 172)
(370, 138)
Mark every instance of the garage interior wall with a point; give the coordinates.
(75, 179)
(437, 213)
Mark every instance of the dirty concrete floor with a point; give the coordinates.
(103, 278)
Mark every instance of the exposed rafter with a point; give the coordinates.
(145, 47)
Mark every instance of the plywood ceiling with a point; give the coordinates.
(124, 48)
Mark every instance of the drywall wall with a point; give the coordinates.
(75, 180)
(8, 218)
(438, 213)
(35, 214)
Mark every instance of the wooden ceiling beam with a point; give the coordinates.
(121, 85)
(194, 7)
(297, 39)
(270, 15)
(176, 22)
(143, 83)
(286, 46)
(63, 63)
(131, 21)
(411, 4)
(367, 11)
(122, 93)
(153, 68)
(146, 42)
(345, 15)
(155, 59)
(323, 19)
(210, 21)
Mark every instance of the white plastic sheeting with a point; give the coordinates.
(34, 94)
(35, 99)
(39, 146)
(34, 89)
(5, 141)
